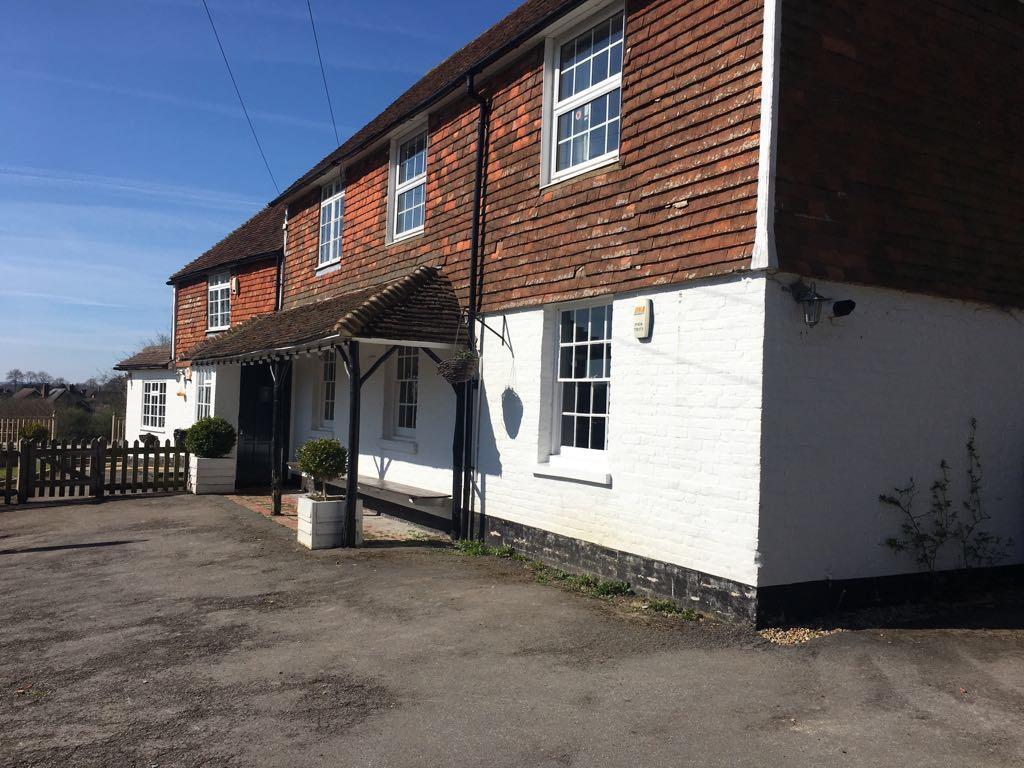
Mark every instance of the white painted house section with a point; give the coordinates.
(856, 406)
(685, 437)
(181, 399)
(423, 459)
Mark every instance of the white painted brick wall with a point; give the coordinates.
(429, 467)
(685, 430)
(856, 406)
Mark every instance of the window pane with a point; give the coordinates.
(568, 431)
(579, 362)
(596, 369)
(582, 323)
(568, 398)
(565, 363)
(582, 431)
(597, 330)
(600, 398)
(597, 436)
(583, 398)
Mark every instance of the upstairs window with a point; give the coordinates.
(585, 75)
(584, 374)
(218, 302)
(409, 174)
(204, 394)
(154, 404)
(332, 212)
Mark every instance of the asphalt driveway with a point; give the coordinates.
(188, 631)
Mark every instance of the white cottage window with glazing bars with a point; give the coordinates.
(407, 378)
(584, 373)
(586, 97)
(154, 404)
(332, 214)
(218, 302)
(409, 157)
(204, 394)
(328, 388)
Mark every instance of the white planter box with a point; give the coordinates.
(211, 475)
(321, 523)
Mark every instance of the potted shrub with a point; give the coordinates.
(322, 517)
(210, 467)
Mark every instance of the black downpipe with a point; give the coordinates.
(457, 457)
(468, 462)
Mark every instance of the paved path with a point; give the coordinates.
(188, 631)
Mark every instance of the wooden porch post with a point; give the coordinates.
(352, 478)
(458, 443)
(278, 370)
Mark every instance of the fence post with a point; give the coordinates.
(53, 426)
(99, 451)
(26, 471)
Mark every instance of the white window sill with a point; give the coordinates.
(326, 269)
(161, 430)
(397, 445)
(578, 474)
(582, 168)
(218, 330)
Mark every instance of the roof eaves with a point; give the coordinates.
(183, 276)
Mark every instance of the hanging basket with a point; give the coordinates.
(461, 368)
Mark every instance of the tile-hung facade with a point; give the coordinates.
(660, 186)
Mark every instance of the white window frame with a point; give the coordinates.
(216, 284)
(154, 405)
(204, 393)
(395, 189)
(327, 391)
(587, 457)
(400, 375)
(332, 198)
(553, 108)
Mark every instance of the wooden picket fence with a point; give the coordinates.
(9, 428)
(53, 470)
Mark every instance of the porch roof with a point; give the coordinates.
(420, 307)
(150, 358)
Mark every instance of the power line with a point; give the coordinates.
(239, 94)
(323, 74)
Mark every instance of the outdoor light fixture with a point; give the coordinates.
(812, 302)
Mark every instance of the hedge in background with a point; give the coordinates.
(210, 438)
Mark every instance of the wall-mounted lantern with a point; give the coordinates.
(812, 302)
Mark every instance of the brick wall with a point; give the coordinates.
(679, 204)
(257, 295)
(899, 145)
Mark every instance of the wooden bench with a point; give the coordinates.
(395, 493)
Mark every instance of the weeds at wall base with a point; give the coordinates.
(582, 584)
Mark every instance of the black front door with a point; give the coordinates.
(255, 425)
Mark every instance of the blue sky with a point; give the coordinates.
(124, 154)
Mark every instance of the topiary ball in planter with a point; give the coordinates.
(149, 440)
(322, 459)
(179, 437)
(210, 438)
(34, 433)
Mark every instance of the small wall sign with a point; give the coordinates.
(642, 313)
